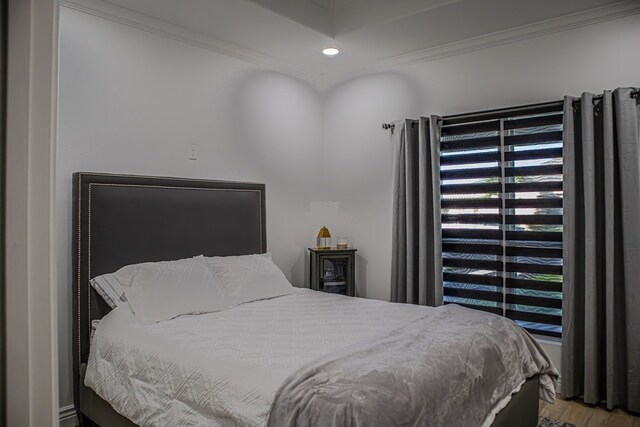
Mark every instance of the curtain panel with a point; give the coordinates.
(416, 265)
(601, 289)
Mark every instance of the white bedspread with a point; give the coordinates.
(224, 368)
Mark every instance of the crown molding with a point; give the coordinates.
(121, 15)
(538, 29)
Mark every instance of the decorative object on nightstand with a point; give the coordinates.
(324, 238)
(342, 243)
(333, 270)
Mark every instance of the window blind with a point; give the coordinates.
(501, 187)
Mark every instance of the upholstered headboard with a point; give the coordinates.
(120, 220)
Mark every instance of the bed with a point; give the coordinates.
(121, 220)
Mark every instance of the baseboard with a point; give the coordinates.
(67, 416)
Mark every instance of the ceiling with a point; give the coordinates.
(370, 33)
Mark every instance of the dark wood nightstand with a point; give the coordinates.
(333, 270)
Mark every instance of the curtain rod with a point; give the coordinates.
(543, 107)
(453, 119)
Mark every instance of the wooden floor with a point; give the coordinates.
(583, 415)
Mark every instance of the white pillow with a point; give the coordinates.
(108, 287)
(249, 277)
(163, 290)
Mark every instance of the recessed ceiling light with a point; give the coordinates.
(330, 51)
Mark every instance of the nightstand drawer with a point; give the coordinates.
(333, 271)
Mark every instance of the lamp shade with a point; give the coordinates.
(324, 232)
(324, 238)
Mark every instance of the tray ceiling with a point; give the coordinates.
(370, 33)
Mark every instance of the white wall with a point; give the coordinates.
(130, 101)
(358, 152)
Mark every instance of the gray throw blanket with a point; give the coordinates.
(452, 366)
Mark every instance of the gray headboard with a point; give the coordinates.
(120, 220)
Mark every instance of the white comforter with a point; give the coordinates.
(224, 368)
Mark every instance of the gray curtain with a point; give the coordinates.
(416, 265)
(601, 301)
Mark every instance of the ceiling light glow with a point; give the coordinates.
(330, 51)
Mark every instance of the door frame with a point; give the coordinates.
(30, 298)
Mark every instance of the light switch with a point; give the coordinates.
(193, 151)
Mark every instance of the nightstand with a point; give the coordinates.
(333, 270)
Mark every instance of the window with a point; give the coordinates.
(502, 216)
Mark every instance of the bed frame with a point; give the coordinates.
(120, 220)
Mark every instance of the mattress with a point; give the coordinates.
(224, 368)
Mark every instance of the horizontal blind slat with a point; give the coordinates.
(541, 154)
(527, 187)
(534, 170)
(466, 248)
(516, 267)
(470, 188)
(533, 138)
(473, 294)
(534, 203)
(537, 236)
(534, 301)
(477, 127)
(463, 159)
(474, 279)
(536, 285)
(472, 263)
(534, 317)
(471, 234)
(470, 144)
(472, 219)
(547, 120)
(470, 203)
(470, 173)
(534, 219)
(534, 252)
